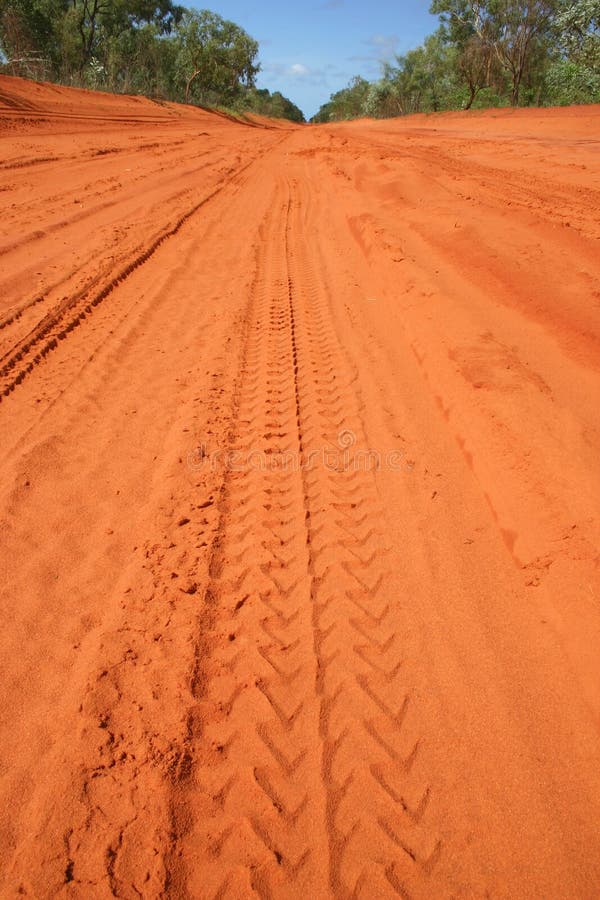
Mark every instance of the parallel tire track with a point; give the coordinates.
(252, 732)
(302, 709)
(71, 312)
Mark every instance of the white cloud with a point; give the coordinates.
(294, 72)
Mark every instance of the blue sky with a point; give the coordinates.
(310, 49)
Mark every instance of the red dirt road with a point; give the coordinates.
(299, 503)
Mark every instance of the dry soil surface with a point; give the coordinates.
(299, 503)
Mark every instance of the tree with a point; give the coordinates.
(152, 47)
(577, 28)
(139, 60)
(437, 70)
(98, 22)
(423, 80)
(71, 35)
(474, 63)
(274, 105)
(574, 76)
(28, 38)
(349, 103)
(514, 30)
(215, 56)
(383, 100)
(475, 60)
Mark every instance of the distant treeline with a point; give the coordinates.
(151, 47)
(486, 54)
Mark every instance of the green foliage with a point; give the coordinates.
(488, 53)
(76, 38)
(574, 77)
(215, 59)
(512, 34)
(485, 53)
(152, 47)
(569, 82)
(28, 36)
(274, 105)
(383, 100)
(425, 78)
(577, 29)
(345, 104)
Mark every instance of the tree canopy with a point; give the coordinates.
(152, 47)
(487, 53)
(484, 53)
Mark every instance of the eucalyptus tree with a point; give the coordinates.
(215, 57)
(514, 31)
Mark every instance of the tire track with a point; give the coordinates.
(251, 781)
(301, 705)
(71, 312)
(102, 205)
(368, 728)
(16, 312)
(556, 202)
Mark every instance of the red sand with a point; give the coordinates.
(301, 674)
